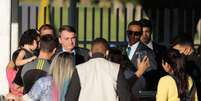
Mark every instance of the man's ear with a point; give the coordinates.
(167, 67)
(90, 54)
(60, 40)
(107, 53)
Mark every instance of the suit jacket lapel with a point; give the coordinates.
(155, 48)
(137, 50)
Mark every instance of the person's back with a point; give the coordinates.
(41, 64)
(175, 86)
(167, 89)
(98, 79)
(31, 72)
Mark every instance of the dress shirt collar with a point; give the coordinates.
(150, 45)
(73, 51)
(133, 49)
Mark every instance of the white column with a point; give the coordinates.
(14, 37)
(5, 6)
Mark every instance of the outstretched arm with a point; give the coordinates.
(20, 61)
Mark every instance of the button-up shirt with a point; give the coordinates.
(133, 49)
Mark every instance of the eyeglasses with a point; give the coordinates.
(133, 33)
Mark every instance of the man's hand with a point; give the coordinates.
(142, 66)
(188, 51)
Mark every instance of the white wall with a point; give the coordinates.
(5, 7)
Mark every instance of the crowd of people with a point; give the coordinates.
(50, 68)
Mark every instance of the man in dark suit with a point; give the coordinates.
(67, 39)
(159, 50)
(135, 51)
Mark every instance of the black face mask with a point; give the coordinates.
(133, 33)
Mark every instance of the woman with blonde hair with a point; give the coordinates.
(54, 86)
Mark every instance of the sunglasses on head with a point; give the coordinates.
(133, 33)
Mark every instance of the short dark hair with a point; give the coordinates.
(48, 43)
(28, 37)
(146, 23)
(100, 40)
(48, 26)
(182, 39)
(135, 23)
(66, 28)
